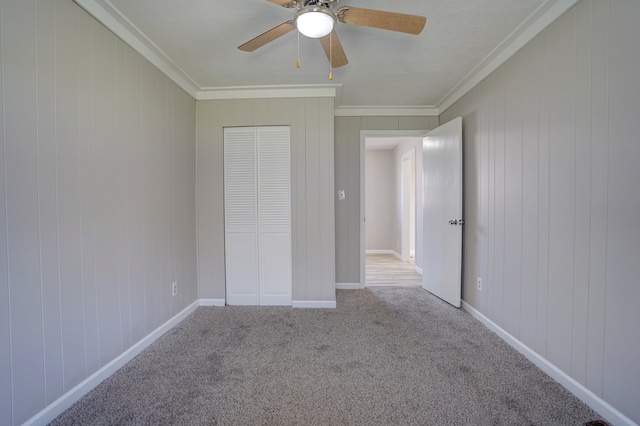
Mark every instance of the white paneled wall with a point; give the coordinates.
(347, 170)
(380, 200)
(312, 191)
(552, 201)
(97, 201)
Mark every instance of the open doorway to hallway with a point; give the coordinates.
(391, 189)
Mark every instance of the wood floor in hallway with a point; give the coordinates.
(386, 270)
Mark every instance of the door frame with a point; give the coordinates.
(364, 134)
(408, 188)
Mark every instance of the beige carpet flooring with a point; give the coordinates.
(384, 356)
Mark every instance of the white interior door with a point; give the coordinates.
(274, 215)
(241, 216)
(442, 212)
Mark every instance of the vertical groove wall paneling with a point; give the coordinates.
(582, 217)
(543, 191)
(530, 191)
(599, 128)
(562, 190)
(622, 339)
(497, 284)
(76, 149)
(104, 198)
(68, 190)
(47, 200)
(85, 133)
(121, 188)
(312, 207)
(578, 237)
(6, 411)
(299, 153)
(135, 162)
(513, 195)
(23, 238)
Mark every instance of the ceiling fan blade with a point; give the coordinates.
(410, 24)
(285, 3)
(268, 36)
(333, 48)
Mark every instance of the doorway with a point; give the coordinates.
(390, 196)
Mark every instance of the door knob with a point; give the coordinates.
(453, 222)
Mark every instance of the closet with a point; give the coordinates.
(257, 192)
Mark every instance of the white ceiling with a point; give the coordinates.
(195, 42)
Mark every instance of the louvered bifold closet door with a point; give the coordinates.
(274, 215)
(257, 215)
(241, 215)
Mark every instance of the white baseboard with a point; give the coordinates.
(585, 395)
(212, 302)
(349, 286)
(314, 304)
(418, 269)
(56, 408)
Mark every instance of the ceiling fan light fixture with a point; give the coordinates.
(315, 21)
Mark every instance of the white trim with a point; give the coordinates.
(349, 286)
(585, 395)
(212, 302)
(56, 408)
(331, 304)
(264, 92)
(380, 252)
(418, 269)
(524, 33)
(109, 16)
(386, 111)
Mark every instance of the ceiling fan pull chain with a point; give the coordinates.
(330, 57)
(298, 61)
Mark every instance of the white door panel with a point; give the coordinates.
(242, 268)
(442, 212)
(275, 268)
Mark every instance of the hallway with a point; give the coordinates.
(388, 270)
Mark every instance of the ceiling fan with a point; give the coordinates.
(317, 19)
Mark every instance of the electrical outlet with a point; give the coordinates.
(174, 289)
(479, 284)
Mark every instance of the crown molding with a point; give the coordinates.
(105, 13)
(524, 33)
(274, 91)
(386, 111)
